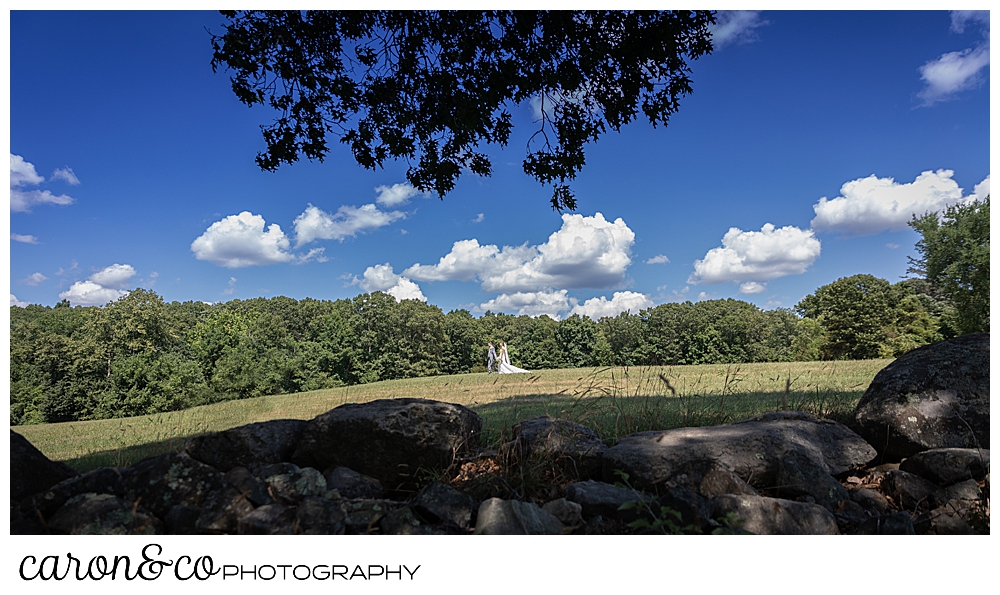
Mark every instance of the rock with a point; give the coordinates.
(182, 519)
(513, 517)
(603, 499)
(574, 448)
(103, 514)
(911, 492)
(439, 503)
(351, 484)
(799, 476)
(252, 488)
(775, 516)
(944, 520)
(936, 396)
(171, 479)
(695, 511)
(364, 516)
(870, 499)
(709, 479)
(270, 519)
(289, 488)
(223, 512)
(319, 516)
(967, 490)
(402, 521)
(897, 523)
(753, 449)
(250, 446)
(389, 439)
(569, 513)
(945, 466)
(107, 480)
(31, 471)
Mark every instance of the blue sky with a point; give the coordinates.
(809, 140)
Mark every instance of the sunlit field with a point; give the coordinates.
(612, 401)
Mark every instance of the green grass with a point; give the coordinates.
(612, 401)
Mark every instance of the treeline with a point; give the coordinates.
(141, 355)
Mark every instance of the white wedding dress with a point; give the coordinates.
(505, 366)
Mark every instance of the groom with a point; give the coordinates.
(491, 359)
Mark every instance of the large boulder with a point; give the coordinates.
(775, 516)
(755, 450)
(103, 514)
(250, 446)
(575, 448)
(513, 517)
(936, 396)
(31, 471)
(945, 466)
(389, 439)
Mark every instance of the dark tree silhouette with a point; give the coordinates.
(433, 88)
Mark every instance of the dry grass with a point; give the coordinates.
(613, 401)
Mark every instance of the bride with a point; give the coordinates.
(504, 366)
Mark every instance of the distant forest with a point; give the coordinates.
(141, 355)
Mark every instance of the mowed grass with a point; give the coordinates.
(613, 401)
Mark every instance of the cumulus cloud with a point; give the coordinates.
(757, 256)
(980, 191)
(240, 241)
(382, 278)
(530, 303)
(16, 302)
(751, 287)
(658, 259)
(22, 173)
(871, 205)
(316, 224)
(102, 287)
(622, 301)
(953, 72)
(66, 175)
(735, 27)
(584, 252)
(24, 239)
(397, 194)
(33, 279)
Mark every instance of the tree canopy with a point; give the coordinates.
(433, 87)
(955, 258)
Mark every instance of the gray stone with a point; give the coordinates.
(910, 492)
(569, 513)
(351, 484)
(389, 439)
(250, 446)
(950, 519)
(513, 517)
(936, 396)
(574, 448)
(439, 503)
(598, 498)
(695, 511)
(31, 471)
(402, 521)
(168, 480)
(182, 519)
(222, 514)
(870, 499)
(799, 476)
(319, 516)
(103, 514)
(270, 519)
(945, 466)
(289, 488)
(364, 516)
(775, 516)
(966, 490)
(252, 488)
(753, 449)
(107, 480)
(896, 523)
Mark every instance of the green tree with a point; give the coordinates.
(955, 258)
(856, 313)
(435, 87)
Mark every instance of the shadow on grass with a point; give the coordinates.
(125, 456)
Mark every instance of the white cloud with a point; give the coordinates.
(66, 175)
(24, 239)
(382, 278)
(735, 27)
(961, 18)
(980, 191)
(115, 276)
(232, 287)
(479, 218)
(584, 252)
(22, 173)
(751, 287)
(599, 307)
(758, 255)
(953, 72)
(892, 246)
(702, 296)
(16, 302)
(316, 224)
(316, 254)
(397, 194)
(871, 205)
(33, 279)
(240, 241)
(106, 285)
(530, 303)
(658, 259)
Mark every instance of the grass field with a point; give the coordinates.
(612, 401)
